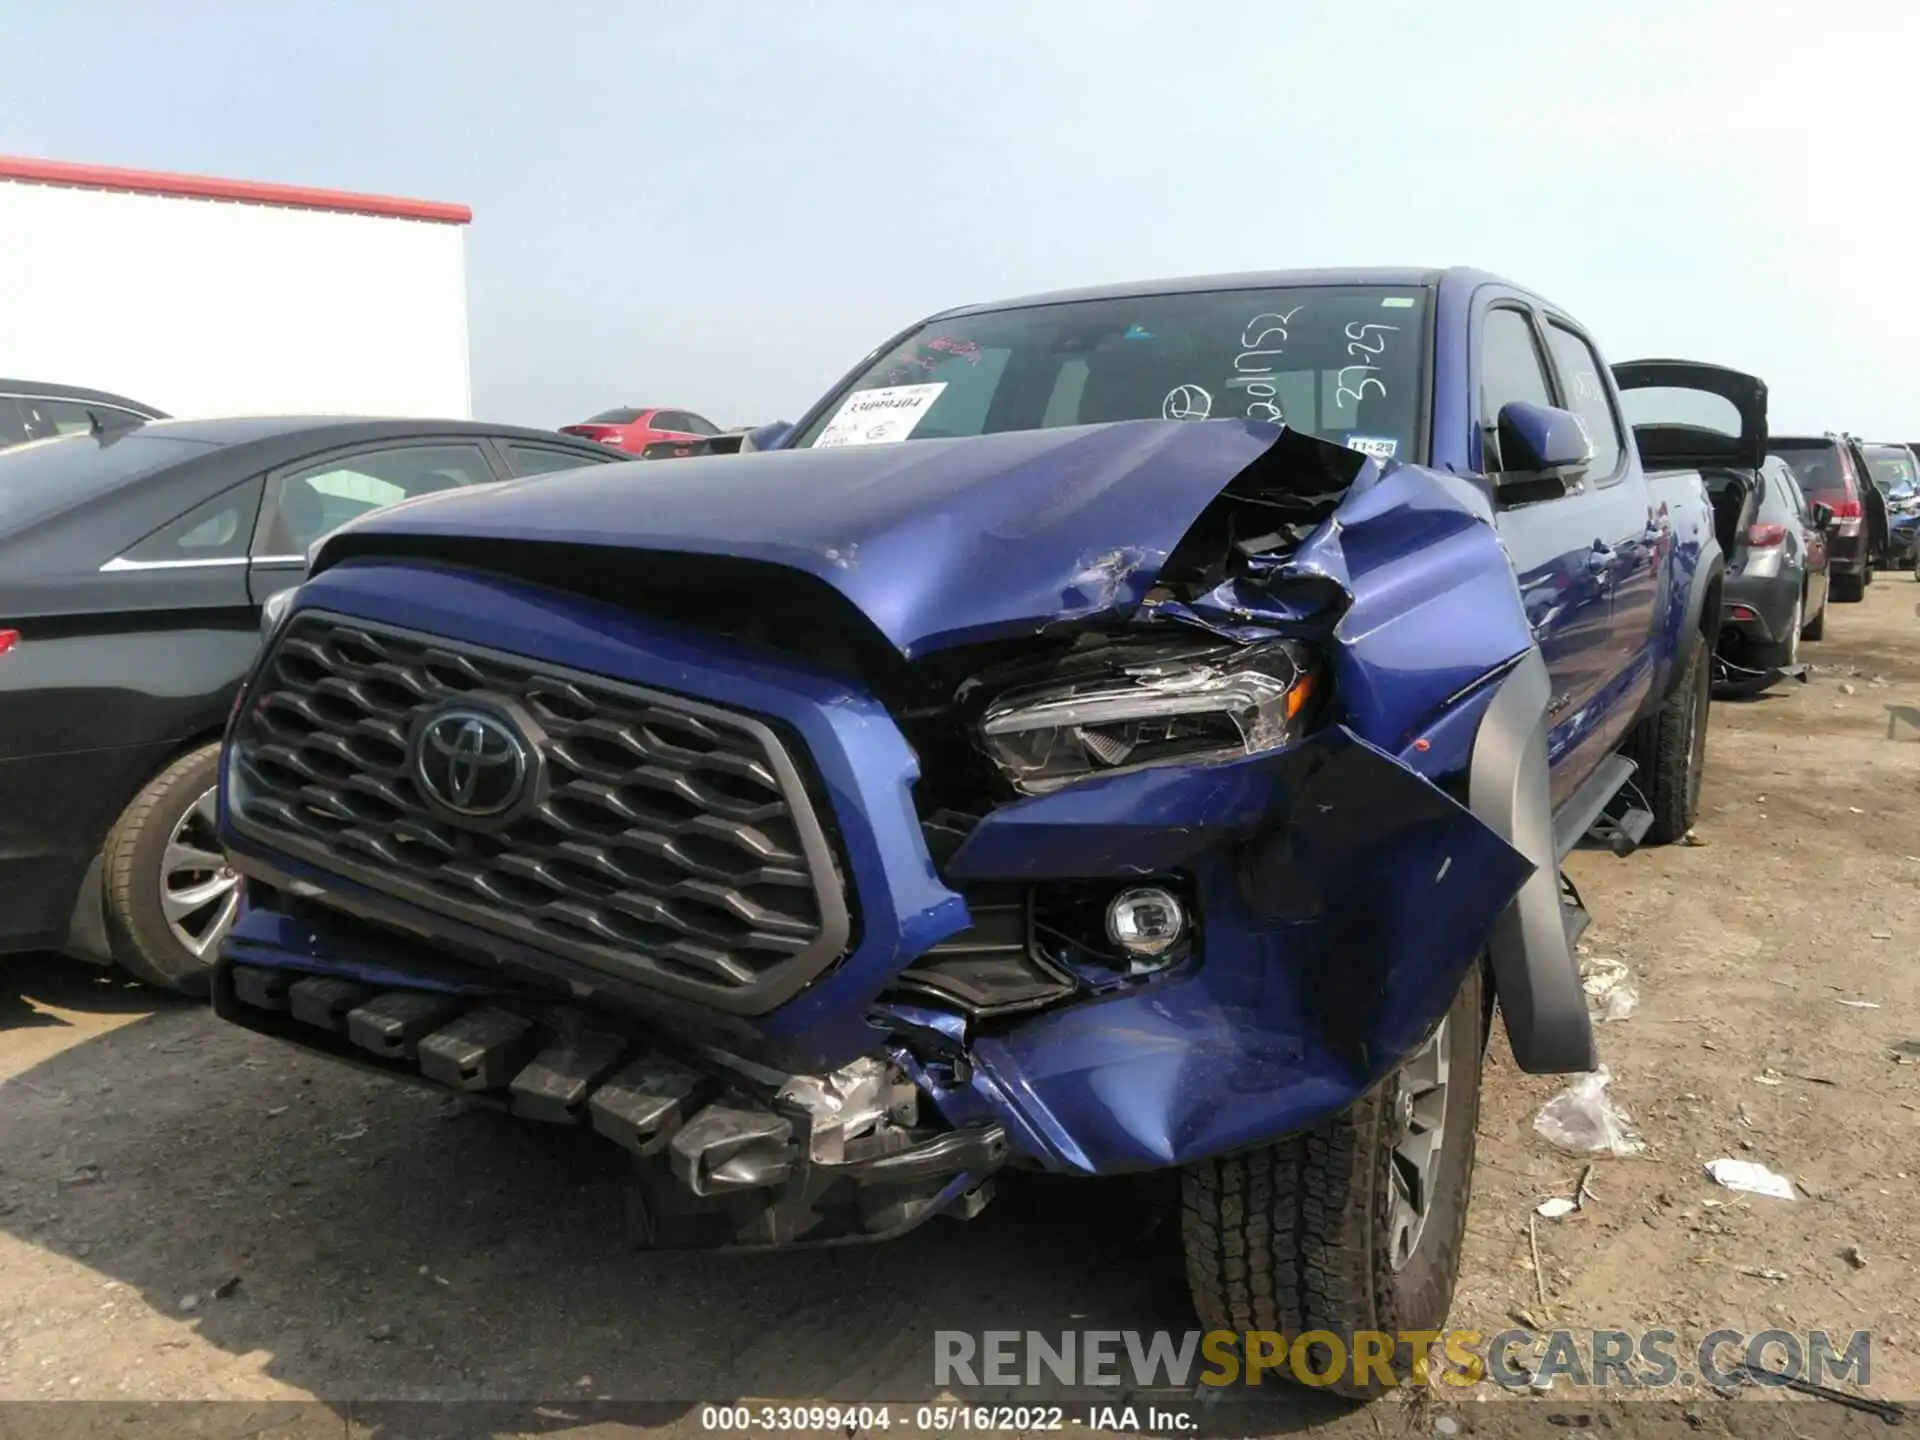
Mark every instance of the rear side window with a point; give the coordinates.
(539, 460)
(215, 529)
(47, 476)
(1587, 397)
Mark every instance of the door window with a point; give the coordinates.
(13, 425)
(325, 496)
(1588, 398)
(1510, 370)
(699, 424)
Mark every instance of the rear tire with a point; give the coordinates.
(1312, 1232)
(170, 898)
(1670, 751)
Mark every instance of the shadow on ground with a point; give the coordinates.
(360, 1240)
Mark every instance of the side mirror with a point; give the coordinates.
(1541, 443)
(1822, 515)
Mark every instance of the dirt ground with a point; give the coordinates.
(189, 1212)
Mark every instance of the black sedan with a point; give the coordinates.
(133, 567)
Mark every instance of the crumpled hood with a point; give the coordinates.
(938, 542)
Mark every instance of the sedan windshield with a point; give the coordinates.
(1342, 362)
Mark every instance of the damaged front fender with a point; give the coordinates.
(1340, 899)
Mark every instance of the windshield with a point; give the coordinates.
(1891, 467)
(45, 476)
(1345, 363)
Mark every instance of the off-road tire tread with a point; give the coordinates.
(1662, 751)
(124, 906)
(1283, 1237)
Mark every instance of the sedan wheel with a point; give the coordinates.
(199, 893)
(170, 897)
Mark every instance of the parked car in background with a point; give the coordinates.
(34, 410)
(133, 568)
(1896, 477)
(1686, 415)
(1831, 471)
(1039, 756)
(742, 438)
(633, 429)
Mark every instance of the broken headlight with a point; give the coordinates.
(1132, 707)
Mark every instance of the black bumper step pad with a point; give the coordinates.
(482, 1050)
(643, 1106)
(393, 1024)
(262, 989)
(324, 1001)
(555, 1086)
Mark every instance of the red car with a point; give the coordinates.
(632, 430)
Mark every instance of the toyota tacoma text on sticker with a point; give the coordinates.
(1124, 730)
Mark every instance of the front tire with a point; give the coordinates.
(1353, 1226)
(170, 898)
(1670, 751)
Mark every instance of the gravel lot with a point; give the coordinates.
(189, 1212)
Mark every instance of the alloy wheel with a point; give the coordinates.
(1421, 1116)
(199, 892)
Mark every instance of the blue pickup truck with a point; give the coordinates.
(1123, 730)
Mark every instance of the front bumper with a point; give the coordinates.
(1339, 897)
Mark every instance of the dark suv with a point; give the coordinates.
(1832, 471)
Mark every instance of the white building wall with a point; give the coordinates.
(219, 307)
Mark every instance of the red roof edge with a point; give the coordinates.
(207, 187)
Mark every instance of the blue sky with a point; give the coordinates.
(724, 204)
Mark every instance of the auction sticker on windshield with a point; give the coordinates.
(873, 417)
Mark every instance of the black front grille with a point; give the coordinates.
(671, 842)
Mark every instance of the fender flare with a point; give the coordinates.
(1535, 974)
(1707, 571)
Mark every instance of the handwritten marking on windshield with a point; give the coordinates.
(1186, 402)
(1357, 338)
(1263, 340)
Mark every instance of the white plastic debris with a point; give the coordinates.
(1582, 1120)
(1861, 1004)
(1609, 995)
(1556, 1207)
(1751, 1178)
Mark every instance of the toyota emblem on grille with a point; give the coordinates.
(471, 762)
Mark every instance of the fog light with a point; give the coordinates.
(1146, 923)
